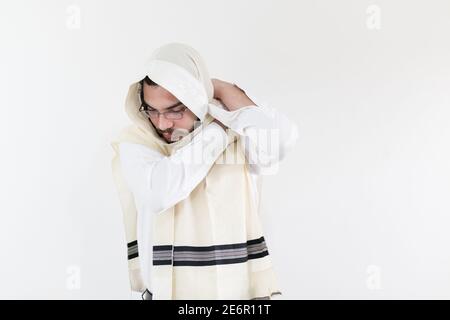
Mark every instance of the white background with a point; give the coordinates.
(359, 209)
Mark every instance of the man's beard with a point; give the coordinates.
(178, 133)
(175, 134)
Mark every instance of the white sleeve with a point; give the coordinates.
(165, 181)
(267, 135)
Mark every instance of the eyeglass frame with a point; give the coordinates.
(144, 108)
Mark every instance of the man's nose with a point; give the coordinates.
(163, 123)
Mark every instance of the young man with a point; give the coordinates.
(191, 220)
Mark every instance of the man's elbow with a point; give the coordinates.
(267, 159)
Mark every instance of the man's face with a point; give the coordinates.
(158, 98)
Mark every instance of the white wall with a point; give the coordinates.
(358, 210)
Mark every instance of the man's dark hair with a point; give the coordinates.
(148, 81)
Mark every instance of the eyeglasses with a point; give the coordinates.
(173, 114)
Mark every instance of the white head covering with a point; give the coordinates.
(180, 70)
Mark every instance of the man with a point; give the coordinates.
(191, 220)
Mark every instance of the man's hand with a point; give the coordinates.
(230, 95)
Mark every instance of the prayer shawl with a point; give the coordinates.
(209, 245)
